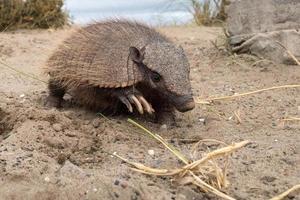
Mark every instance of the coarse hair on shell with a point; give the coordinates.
(98, 55)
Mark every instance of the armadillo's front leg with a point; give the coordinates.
(124, 100)
(138, 100)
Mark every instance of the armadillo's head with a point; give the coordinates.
(167, 70)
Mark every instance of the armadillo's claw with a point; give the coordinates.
(139, 101)
(146, 105)
(137, 104)
(124, 100)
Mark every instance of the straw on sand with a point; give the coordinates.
(291, 119)
(204, 173)
(21, 72)
(284, 194)
(289, 52)
(211, 99)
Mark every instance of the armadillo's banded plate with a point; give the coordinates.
(98, 55)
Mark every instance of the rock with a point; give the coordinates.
(241, 195)
(96, 123)
(186, 193)
(268, 179)
(124, 184)
(69, 170)
(40, 127)
(116, 182)
(85, 143)
(61, 158)
(57, 127)
(69, 114)
(4, 106)
(54, 142)
(47, 179)
(151, 152)
(202, 120)
(256, 16)
(120, 137)
(265, 28)
(164, 126)
(70, 133)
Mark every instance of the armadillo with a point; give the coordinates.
(119, 64)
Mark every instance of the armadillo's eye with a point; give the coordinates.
(155, 77)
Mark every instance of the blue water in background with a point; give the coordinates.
(153, 12)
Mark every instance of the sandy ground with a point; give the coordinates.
(64, 154)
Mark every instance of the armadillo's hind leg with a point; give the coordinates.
(56, 94)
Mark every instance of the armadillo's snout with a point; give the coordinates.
(184, 103)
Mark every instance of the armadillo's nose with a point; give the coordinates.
(185, 104)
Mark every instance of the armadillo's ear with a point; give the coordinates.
(136, 55)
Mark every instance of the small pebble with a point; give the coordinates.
(96, 123)
(202, 120)
(22, 95)
(117, 182)
(3, 106)
(151, 152)
(124, 184)
(70, 134)
(57, 127)
(252, 145)
(47, 179)
(120, 137)
(268, 179)
(164, 126)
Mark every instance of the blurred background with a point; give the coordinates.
(15, 14)
(154, 12)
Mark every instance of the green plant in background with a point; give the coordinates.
(10, 12)
(222, 16)
(32, 14)
(208, 12)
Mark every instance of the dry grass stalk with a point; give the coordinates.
(22, 73)
(290, 53)
(210, 99)
(217, 153)
(281, 196)
(238, 116)
(205, 173)
(161, 140)
(260, 61)
(291, 119)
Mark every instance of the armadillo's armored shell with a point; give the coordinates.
(98, 55)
